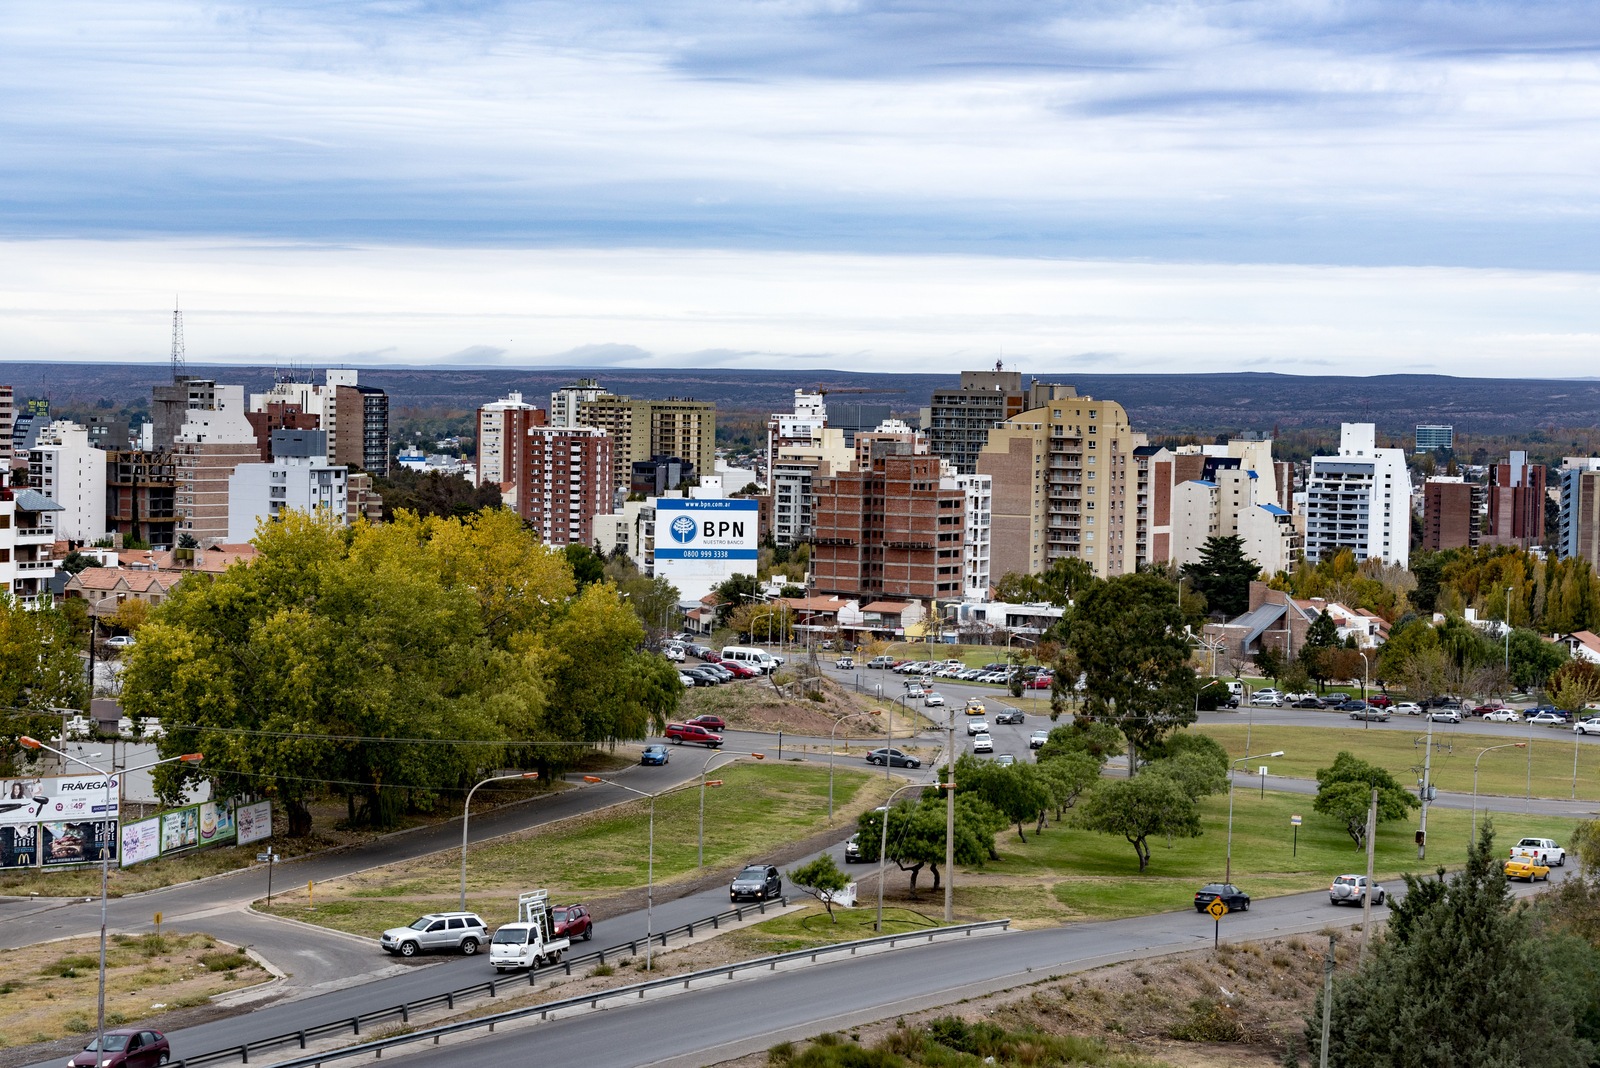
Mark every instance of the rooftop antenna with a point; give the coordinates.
(179, 368)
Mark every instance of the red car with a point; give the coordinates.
(739, 669)
(126, 1047)
(1483, 710)
(1380, 700)
(709, 722)
(1040, 682)
(708, 657)
(573, 921)
(693, 732)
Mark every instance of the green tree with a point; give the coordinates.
(40, 670)
(917, 838)
(1322, 635)
(1463, 978)
(1059, 584)
(1223, 575)
(1013, 790)
(1099, 740)
(75, 562)
(821, 879)
(1533, 660)
(1575, 686)
(1066, 777)
(734, 592)
(1344, 791)
(1269, 662)
(1128, 635)
(1138, 808)
(1196, 772)
(587, 565)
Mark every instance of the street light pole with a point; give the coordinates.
(1492, 748)
(466, 810)
(715, 782)
(105, 856)
(883, 845)
(1366, 684)
(858, 715)
(950, 821)
(1228, 878)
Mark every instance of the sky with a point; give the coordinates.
(1316, 187)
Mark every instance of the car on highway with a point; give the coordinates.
(1268, 697)
(852, 849)
(678, 733)
(709, 722)
(1502, 715)
(121, 641)
(894, 757)
(1547, 719)
(1351, 889)
(1005, 760)
(845, 663)
(1010, 715)
(974, 707)
(977, 726)
(1306, 702)
(757, 882)
(881, 662)
(1236, 900)
(1037, 739)
(1542, 850)
(933, 700)
(1365, 712)
(1408, 708)
(653, 754)
(1445, 715)
(573, 921)
(982, 743)
(460, 931)
(1587, 726)
(1524, 868)
(125, 1047)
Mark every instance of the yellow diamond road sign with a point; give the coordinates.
(1217, 909)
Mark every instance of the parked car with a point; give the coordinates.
(573, 921)
(687, 680)
(673, 653)
(1543, 850)
(1409, 708)
(654, 754)
(462, 931)
(1532, 871)
(1547, 719)
(845, 662)
(758, 882)
(125, 1047)
(1529, 713)
(1587, 726)
(1037, 739)
(1485, 709)
(1362, 712)
(709, 722)
(1005, 760)
(718, 672)
(678, 733)
(741, 670)
(1380, 700)
(1307, 702)
(710, 656)
(1292, 697)
(1231, 896)
(852, 849)
(977, 726)
(1042, 682)
(1010, 715)
(1351, 889)
(933, 700)
(1268, 697)
(881, 662)
(121, 641)
(894, 757)
(1445, 715)
(1502, 715)
(974, 707)
(982, 743)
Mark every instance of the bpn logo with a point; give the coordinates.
(683, 529)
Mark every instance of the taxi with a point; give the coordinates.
(1522, 868)
(975, 707)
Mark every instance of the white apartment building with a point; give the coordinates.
(27, 544)
(67, 469)
(798, 427)
(1359, 500)
(790, 472)
(299, 478)
(975, 563)
(564, 401)
(498, 434)
(1228, 506)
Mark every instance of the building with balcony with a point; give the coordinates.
(978, 544)
(28, 560)
(300, 478)
(66, 468)
(1515, 499)
(502, 425)
(1359, 500)
(141, 490)
(959, 420)
(561, 481)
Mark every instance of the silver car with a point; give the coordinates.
(977, 726)
(456, 931)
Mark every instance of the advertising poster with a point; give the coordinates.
(141, 841)
(73, 797)
(216, 823)
(701, 542)
(255, 822)
(180, 829)
(19, 846)
(78, 842)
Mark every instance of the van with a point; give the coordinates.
(756, 659)
(1236, 688)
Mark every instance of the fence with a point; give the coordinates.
(636, 990)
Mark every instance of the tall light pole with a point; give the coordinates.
(858, 715)
(950, 820)
(1366, 684)
(883, 845)
(704, 768)
(105, 854)
(1508, 639)
(466, 810)
(1492, 748)
(1228, 878)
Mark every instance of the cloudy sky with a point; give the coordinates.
(1294, 186)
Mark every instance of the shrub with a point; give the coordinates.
(602, 969)
(224, 960)
(77, 1023)
(782, 1053)
(1209, 1022)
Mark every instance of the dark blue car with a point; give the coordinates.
(653, 754)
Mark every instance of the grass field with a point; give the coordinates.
(811, 927)
(761, 807)
(1504, 771)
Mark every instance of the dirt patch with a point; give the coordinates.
(753, 705)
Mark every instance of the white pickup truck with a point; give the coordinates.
(1540, 851)
(531, 941)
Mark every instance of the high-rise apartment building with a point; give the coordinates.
(1359, 500)
(1451, 511)
(1580, 508)
(213, 439)
(355, 417)
(959, 419)
(893, 529)
(1516, 497)
(561, 480)
(564, 401)
(1430, 438)
(978, 543)
(793, 471)
(798, 427)
(502, 425)
(1014, 459)
(640, 429)
(300, 478)
(8, 415)
(66, 468)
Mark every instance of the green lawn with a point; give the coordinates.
(760, 807)
(1096, 875)
(1503, 772)
(811, 926)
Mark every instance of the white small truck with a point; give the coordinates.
(1540, 851)
(531, 941)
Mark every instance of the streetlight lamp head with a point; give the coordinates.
(192, 758)
(1279, 753)
(29, 743)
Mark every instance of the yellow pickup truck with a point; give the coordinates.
(1522, 868)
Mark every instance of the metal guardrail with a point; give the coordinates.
(492, 987)
(635, 990)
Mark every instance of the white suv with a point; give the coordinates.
(462, 931)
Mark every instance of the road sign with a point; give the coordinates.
(1294, 821)
(1217, 909)
(158, 919)
(263, 858)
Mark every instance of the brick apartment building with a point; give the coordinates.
(892, 528)
(501, 431)
(560, 479)
(1451, 510)
(1516, 497)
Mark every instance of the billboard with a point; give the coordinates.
(180, 829)
(255, 822)
(700, 543)
(216, 823)
(141, 841)
(78, 841)
(71, 797)
(19, 846)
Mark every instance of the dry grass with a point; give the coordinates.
(51, 989)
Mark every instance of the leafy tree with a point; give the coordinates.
(759, 620)
(1196, 773)
(1128, 633)
(1322, 635)
(1534, 660)
(1066, 778)
(39, 670)
(653, 600)
(1269, 662)
(1138, 808)
(1575, 686)
(1212, 695)
(821, 879)
(1344, 791)
(917, 839)
(738, 590)
(432, 494)
(1223, 575)
(130, 615)
(1099, 740)
(1013, 790)
(1059, 584)
(1463, 978)
(587, 565)
(74, 562)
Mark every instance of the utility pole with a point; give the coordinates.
(1327, 999)
(1427, 789)
(1366, 898)
(950, 821)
